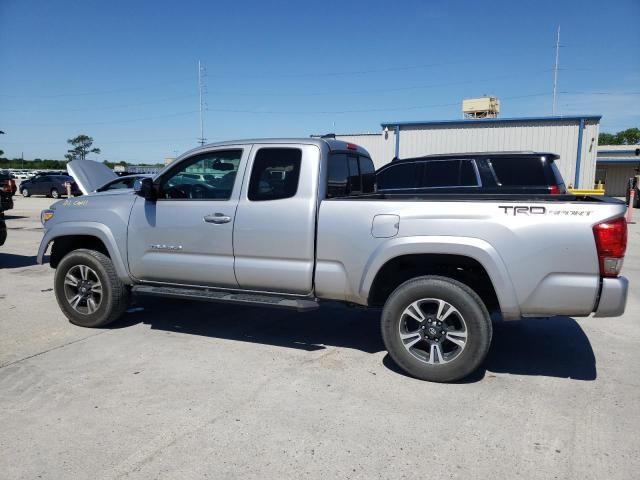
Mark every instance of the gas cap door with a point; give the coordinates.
(385, 226)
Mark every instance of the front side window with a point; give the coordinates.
(275, 174)
(207, 176)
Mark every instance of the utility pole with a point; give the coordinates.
(22, 157)
(555, 73)
(201, 91)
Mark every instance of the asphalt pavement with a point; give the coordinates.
(196, 390)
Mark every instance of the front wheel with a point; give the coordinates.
(88, 289)
(25, 192)
(436, 328)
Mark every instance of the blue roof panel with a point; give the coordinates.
(619, 160)
(478, 121)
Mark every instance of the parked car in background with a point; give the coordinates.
(6, 199)
(20, 175)
(8, 183)
(49, 185)
(491, 173)
(3, 228)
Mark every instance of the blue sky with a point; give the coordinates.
(125, 72)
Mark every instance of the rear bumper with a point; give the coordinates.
(613, 297)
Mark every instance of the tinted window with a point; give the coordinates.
(467, 174)
(188, 179)
(355, 185)
(449, 173)
(275, 174)
(401, 175)
(368, 173)
(337, 175)
(519, 171)
(558, 176)
(440, 174)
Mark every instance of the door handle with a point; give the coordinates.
(217, 218)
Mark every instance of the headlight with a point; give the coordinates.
(46, 215)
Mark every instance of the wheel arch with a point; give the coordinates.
(74, 235)
(469, 260)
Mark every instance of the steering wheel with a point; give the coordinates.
(175, 192)
(198, 191)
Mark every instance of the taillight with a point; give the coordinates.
(554, 190)
(351, 146)
(611, 243)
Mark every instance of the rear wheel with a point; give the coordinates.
(436, 328)
(55, 193)
(25, 192)
(88, 289)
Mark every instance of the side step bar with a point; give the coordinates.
(256, 299)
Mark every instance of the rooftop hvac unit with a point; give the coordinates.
(483, 107)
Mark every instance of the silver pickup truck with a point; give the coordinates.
(290, 222)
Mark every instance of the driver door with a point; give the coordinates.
(186, 235)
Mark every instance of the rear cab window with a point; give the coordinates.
(349, 174)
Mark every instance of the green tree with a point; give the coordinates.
(81, 148)
(630, 136)
(608, 139)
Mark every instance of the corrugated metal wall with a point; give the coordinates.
(616, 179)
(557, 136)
(380, 149)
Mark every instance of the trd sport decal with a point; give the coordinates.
(514, 210)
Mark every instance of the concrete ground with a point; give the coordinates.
(188, 390)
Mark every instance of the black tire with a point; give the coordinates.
(114, 296)
(475, 320)
(55, 193)
(25, 192)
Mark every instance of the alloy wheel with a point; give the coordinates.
(83, 289)
(433, 331)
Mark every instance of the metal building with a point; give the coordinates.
(574, 138)
(615, 165)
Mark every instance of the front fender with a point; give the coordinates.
(94, 229)
(474, 248)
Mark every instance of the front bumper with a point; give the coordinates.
(613, 297)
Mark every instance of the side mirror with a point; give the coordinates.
(144, 188)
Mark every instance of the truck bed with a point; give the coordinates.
(480, 197)
(538, 250)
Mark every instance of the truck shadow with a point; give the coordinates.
(11, 260)
(555, 347)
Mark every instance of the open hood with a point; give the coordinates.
(90, 175)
